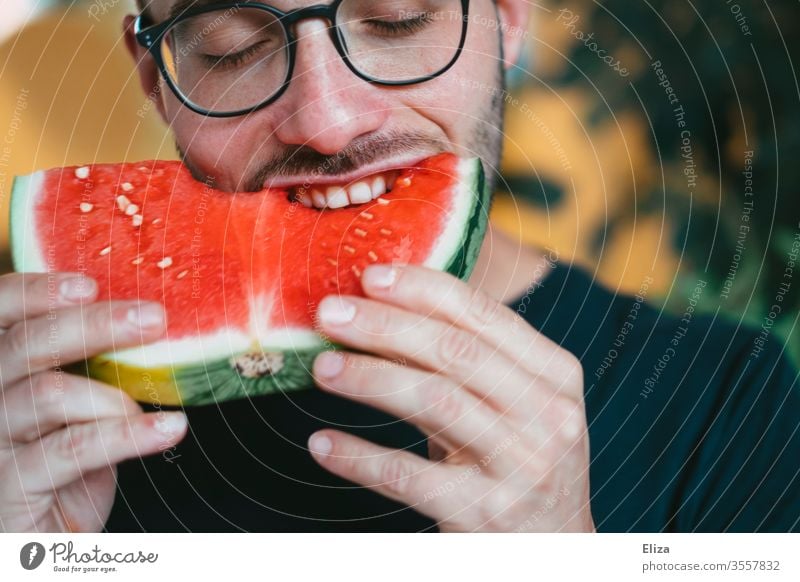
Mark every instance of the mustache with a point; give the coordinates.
(297, 161)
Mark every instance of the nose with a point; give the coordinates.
(326, 106)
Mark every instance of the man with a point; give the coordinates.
(531, 399)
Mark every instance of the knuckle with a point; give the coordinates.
(97, 321)
(47, 390)
(570, 368)
(483, 309)
(396, 474)
(346, 462)
(380, 322)
(456, 345)
(122, 433)
(568, 421)
(75, 442)
(545, 486)
(497, 504)
(441, 404)
(18, 341)
(39, 288)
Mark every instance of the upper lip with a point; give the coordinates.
(399, 163)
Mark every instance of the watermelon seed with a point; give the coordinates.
(156, 220)
(105, 251)
(356, 270)
(373, 257)
(182, 274)
(349, 249)
(137, 261)
(386, 232)
(82, 173)
(257, 365)
(86, 207)
(137, 220)
(127, 186)
(367, 215)
(404, 182)
(360, 232)
(131, 210)
(123, 202)
(164, 263)
(382, 201)
(332, 262)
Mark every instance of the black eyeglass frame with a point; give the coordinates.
(150, 37)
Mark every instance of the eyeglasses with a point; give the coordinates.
(229, 59)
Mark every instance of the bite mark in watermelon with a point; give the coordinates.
(240, 274)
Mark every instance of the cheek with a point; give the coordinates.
(461, 100)
(221, 148)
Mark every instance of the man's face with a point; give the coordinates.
(332, 128)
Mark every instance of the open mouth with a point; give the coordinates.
(357, 192)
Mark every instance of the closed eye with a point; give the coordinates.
(404, 26)
(232, 60)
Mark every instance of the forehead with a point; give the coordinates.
(163, 9)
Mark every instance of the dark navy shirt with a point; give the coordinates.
(693, 426)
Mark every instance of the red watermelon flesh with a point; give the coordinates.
(252, 265)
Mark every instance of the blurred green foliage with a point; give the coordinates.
(732, 67)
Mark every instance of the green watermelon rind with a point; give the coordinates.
(465, 259)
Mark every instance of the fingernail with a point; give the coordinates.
(170, 424)
(336, 311)
(328, 364)
(74, 289)
(320, 444)
(379, 276)
(146, 315)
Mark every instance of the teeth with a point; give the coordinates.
(359, 192)
(337, 197)
(378, 186)
(304, 198)
(318, 198)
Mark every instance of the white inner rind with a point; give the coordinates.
(27, 253)
(230, 341)
(217, 346)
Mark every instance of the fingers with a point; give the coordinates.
(49, 400)
(64, 456)
(74, 334)
(440, 408)
(24, 295)
(437, 346)
(440, 295)
(398, 475)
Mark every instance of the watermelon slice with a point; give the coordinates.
(240, 275)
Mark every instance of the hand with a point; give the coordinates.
(62, 435)
(501, 404)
